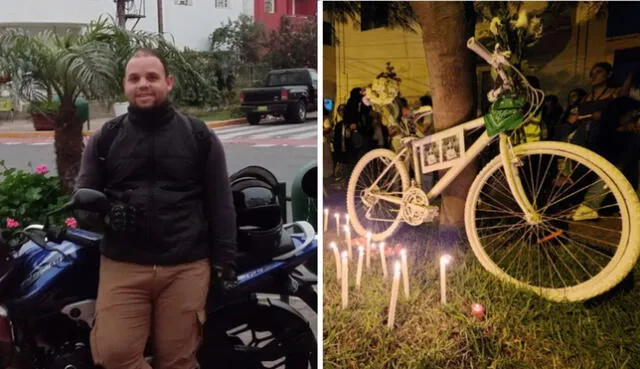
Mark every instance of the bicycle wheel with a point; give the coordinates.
(565, 256)
(367, 212)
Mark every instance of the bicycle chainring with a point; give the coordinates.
(415, 206)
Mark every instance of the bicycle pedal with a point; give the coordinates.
(431, 214)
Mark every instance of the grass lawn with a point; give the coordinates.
(519, 330)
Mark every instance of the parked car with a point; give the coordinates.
(288, 93)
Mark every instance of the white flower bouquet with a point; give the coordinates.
(384, 89)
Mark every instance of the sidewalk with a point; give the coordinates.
(23, 128)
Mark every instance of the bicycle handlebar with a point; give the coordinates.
(482, 51)
(495, 60)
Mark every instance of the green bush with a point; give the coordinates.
(26, 196)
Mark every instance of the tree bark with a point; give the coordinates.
(451, 66)
(68, 146)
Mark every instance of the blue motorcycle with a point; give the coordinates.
(48, 288)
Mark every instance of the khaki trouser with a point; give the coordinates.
(136, 301)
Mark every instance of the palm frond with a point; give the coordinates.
(399, 14)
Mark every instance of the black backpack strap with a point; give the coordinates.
(202, 135)
(107, 136)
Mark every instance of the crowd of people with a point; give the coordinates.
(604, 119)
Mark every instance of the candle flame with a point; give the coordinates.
(345, 255)
(333, 245)
(361, 249)
(369, 235)
(403, 252)
(445, 259)
(326, 211)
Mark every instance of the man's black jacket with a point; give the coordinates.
(185, 211)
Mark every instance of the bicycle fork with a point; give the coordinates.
(509, 162)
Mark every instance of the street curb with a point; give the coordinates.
(47, 134)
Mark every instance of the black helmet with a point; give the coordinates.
(259, 219)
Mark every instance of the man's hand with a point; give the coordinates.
(225, 276)
(122, 218)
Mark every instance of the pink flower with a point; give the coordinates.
(71, 222)
(42, 169)
(12, 223)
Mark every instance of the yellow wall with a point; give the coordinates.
(359, 56)
(329, 71)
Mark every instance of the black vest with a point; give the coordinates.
(152, 164)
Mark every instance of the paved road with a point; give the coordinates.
(282, 148)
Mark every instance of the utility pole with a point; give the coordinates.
(120, 13)
(160, 18)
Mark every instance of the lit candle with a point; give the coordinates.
(347, 236)
(345, 279)
(444, 260)
(368, 250)
(359, 270)
(477, 310)
(326, 219)
(383, 260)
(337, 215)
(405, 271)
(394, 295)
(336, 255)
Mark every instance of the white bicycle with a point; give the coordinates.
(521, 212)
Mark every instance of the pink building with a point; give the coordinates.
(269, 12)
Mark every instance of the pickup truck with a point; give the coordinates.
(288, 93)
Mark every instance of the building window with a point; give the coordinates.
(222, 4)
(622, 18)
(373, 15)
(269, 6)
(327, 35)
(184, 2)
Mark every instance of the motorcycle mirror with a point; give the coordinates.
(89, 200)
(38, 237)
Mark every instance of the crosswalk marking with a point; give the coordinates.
(279, 135)
(305, 135)
(267, 135)
(232, 129)
(261, 132)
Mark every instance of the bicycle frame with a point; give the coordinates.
(506, 153)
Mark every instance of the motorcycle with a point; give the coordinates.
(48, 288)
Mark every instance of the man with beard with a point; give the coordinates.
(172, 222)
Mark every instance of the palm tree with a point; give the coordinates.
(68, 64)
(446, 27)
(90, 64)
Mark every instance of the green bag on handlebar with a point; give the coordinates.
(504, 114)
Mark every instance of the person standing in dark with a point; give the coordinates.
(357, 117)
(551, 114)
(564, 128)
(171, 228)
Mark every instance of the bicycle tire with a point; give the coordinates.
(628, 249)
(353, 180)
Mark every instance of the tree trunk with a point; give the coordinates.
(68, 146)
(451, 66)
